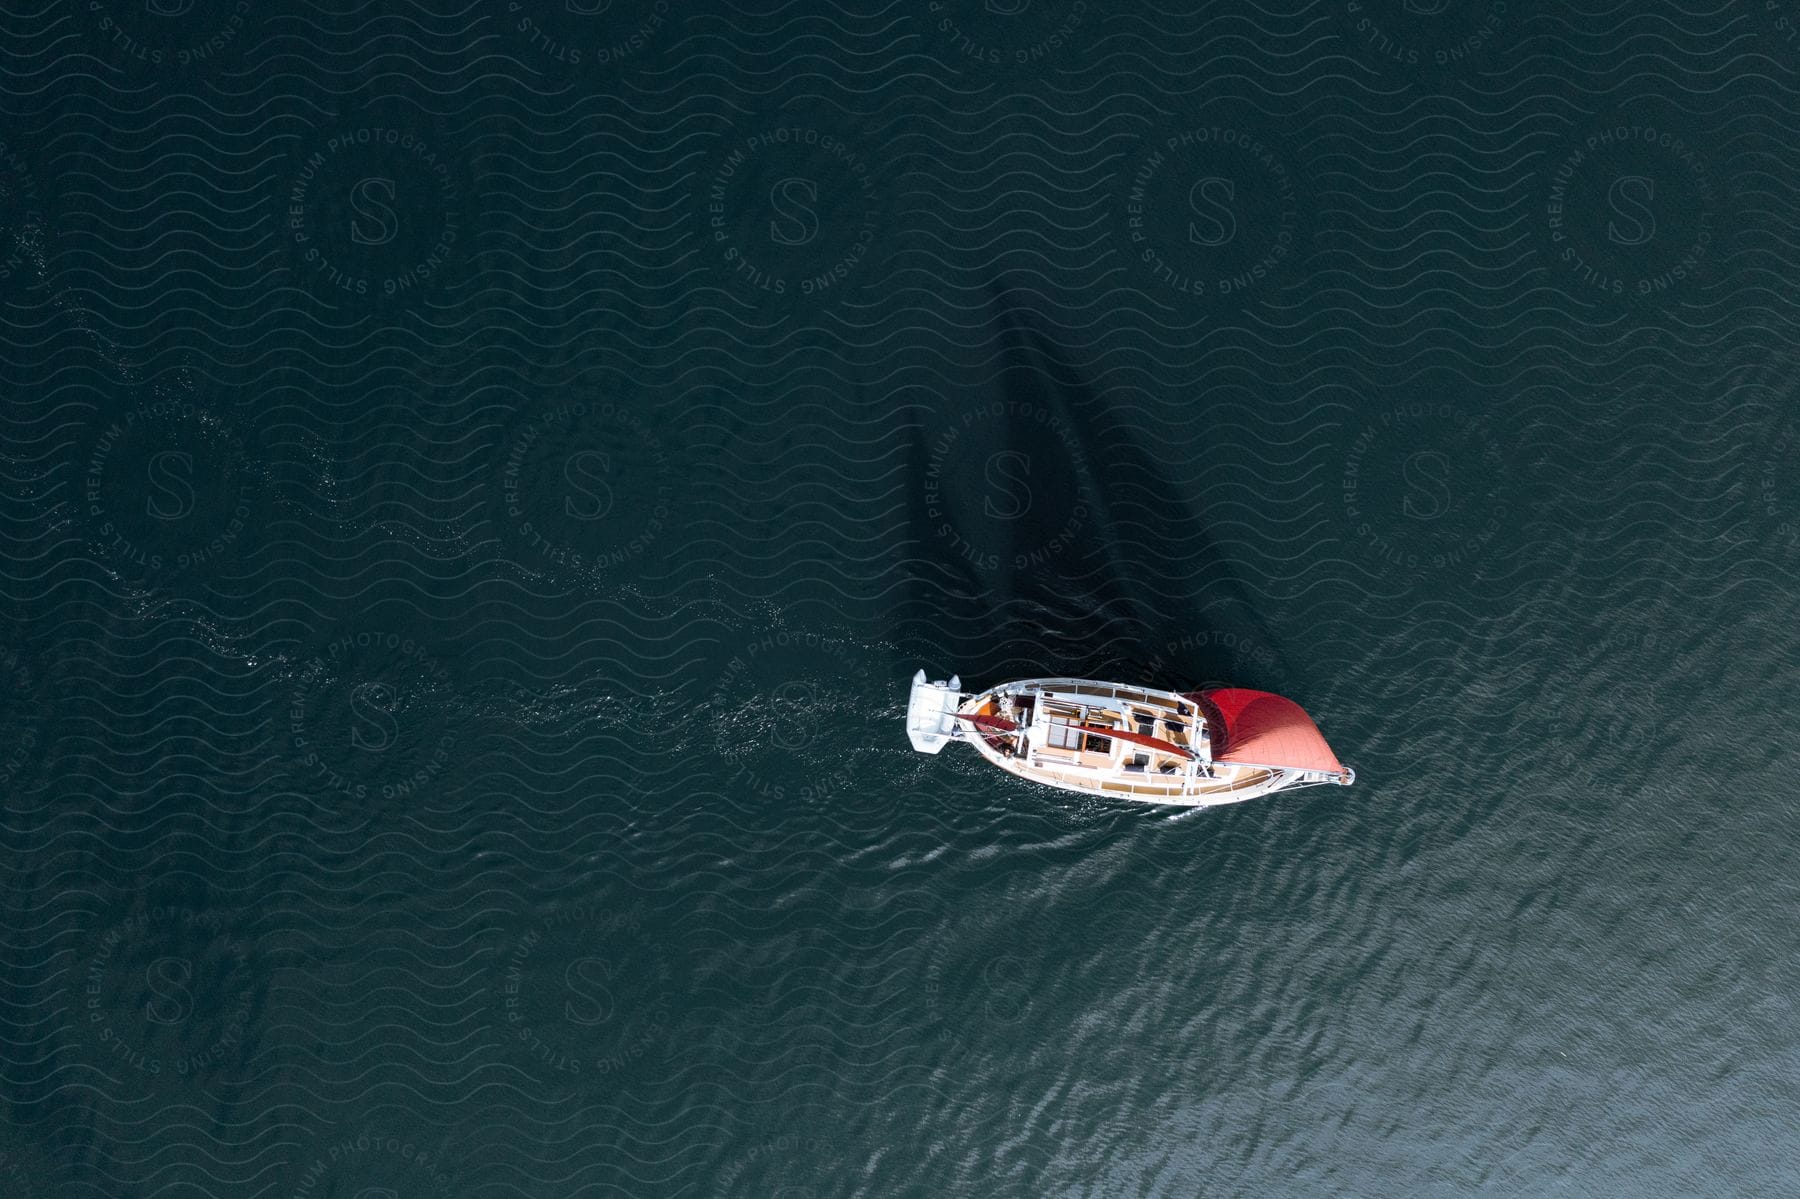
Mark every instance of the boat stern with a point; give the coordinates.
(931, 713)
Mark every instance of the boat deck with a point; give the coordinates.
(1064, 725)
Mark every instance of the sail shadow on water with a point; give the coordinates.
(1045, 540)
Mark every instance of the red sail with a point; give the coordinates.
(997, 724)
(1168, 747)
(1255, 728)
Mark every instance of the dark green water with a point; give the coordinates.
(476, 479)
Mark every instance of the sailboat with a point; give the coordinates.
(1196, 749)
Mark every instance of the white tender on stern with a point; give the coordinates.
(931, 713)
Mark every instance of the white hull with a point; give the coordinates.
(1104, 739)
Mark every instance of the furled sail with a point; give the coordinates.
(994, 724)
